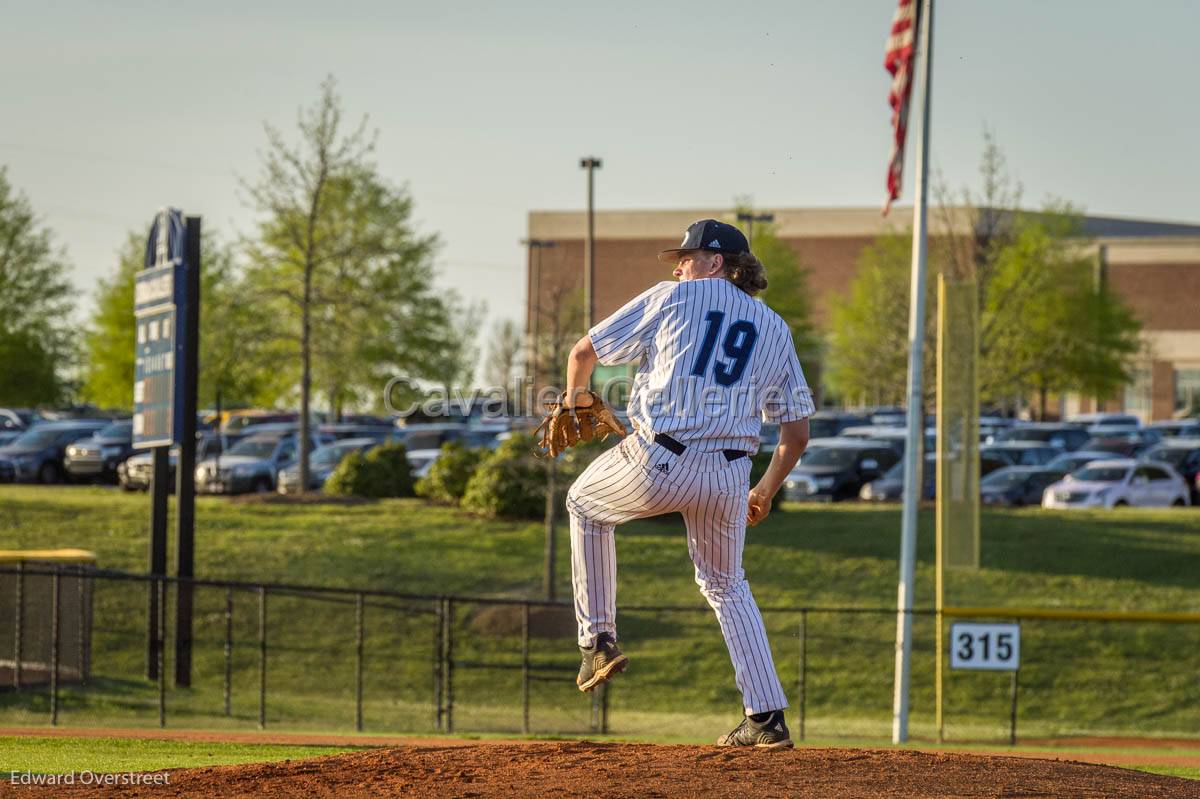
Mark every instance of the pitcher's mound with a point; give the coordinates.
(597, 771)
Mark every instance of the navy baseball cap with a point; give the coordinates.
(708, 234)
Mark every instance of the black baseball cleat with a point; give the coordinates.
(601, 662)
(770, 733)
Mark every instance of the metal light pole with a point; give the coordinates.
(591, 164)
(749, 217)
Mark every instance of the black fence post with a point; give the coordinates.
(55, 611)
(1012, 728)
(358, 662)
(802, 679)
(450, 665)
(262, 657)
(525, 668)
(18, 621)
(228, 687)
(160, 649)
(437, 664)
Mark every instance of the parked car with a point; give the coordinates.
(833, 469)
(1017, 486)
(36, 456)
(420, 461)
(1118, 483)
(380, 432)
(890, 487)
(135, 472)
(98, 457)
(252, 464)
(895, 437)
(236, 420)
(1145, 436)
(1021, 453)
(1125, 446)
(433, 435)
(10, 420)
(827, 424)
(1061, 436)
(321, 463)
(1183, 454)
(1178, 428)
(1073, 461)
(1105, 418)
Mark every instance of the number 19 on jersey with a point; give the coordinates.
(992, 647)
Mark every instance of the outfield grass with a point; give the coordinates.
(1077, 677)
(62, 755)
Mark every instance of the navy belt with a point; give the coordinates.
(678, 447)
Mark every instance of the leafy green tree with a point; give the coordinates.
(868, 339)
(1044, 326)
(342, 282)
(227, 358)
(36, 348)
(28, 376)
(787, 292)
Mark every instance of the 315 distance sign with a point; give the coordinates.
(990, 647)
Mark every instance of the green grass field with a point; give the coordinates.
(61, 755)
(1077, 677)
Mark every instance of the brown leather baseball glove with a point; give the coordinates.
(564, 427)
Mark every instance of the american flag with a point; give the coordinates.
(898, 60)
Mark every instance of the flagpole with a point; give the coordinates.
(916, 410)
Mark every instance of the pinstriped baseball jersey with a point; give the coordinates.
(714, 363)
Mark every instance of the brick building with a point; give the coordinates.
(1155, 266)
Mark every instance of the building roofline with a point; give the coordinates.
(823, 222)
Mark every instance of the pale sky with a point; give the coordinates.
(113, 109)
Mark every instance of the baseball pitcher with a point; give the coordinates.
(714, 363)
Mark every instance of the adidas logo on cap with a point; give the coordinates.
(715, 243)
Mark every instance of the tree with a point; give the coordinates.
(504, 353)
(868, 339)
(342, 283)
(228, 359)
(35, 305)
(787, 292)
(1038, 303)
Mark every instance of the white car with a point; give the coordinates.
(1118, 483)
(421, 461)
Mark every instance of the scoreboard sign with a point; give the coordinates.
(987, 647)
(160, 304)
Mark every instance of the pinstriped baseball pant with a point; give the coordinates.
(637, 479)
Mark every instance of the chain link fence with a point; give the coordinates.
(76, 649)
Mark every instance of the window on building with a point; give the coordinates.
(1137, 394)
(1187, 391)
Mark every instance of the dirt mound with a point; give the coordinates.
(596, 771)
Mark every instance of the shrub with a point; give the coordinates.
(381, 472)
(509, 482)
(448, 476)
